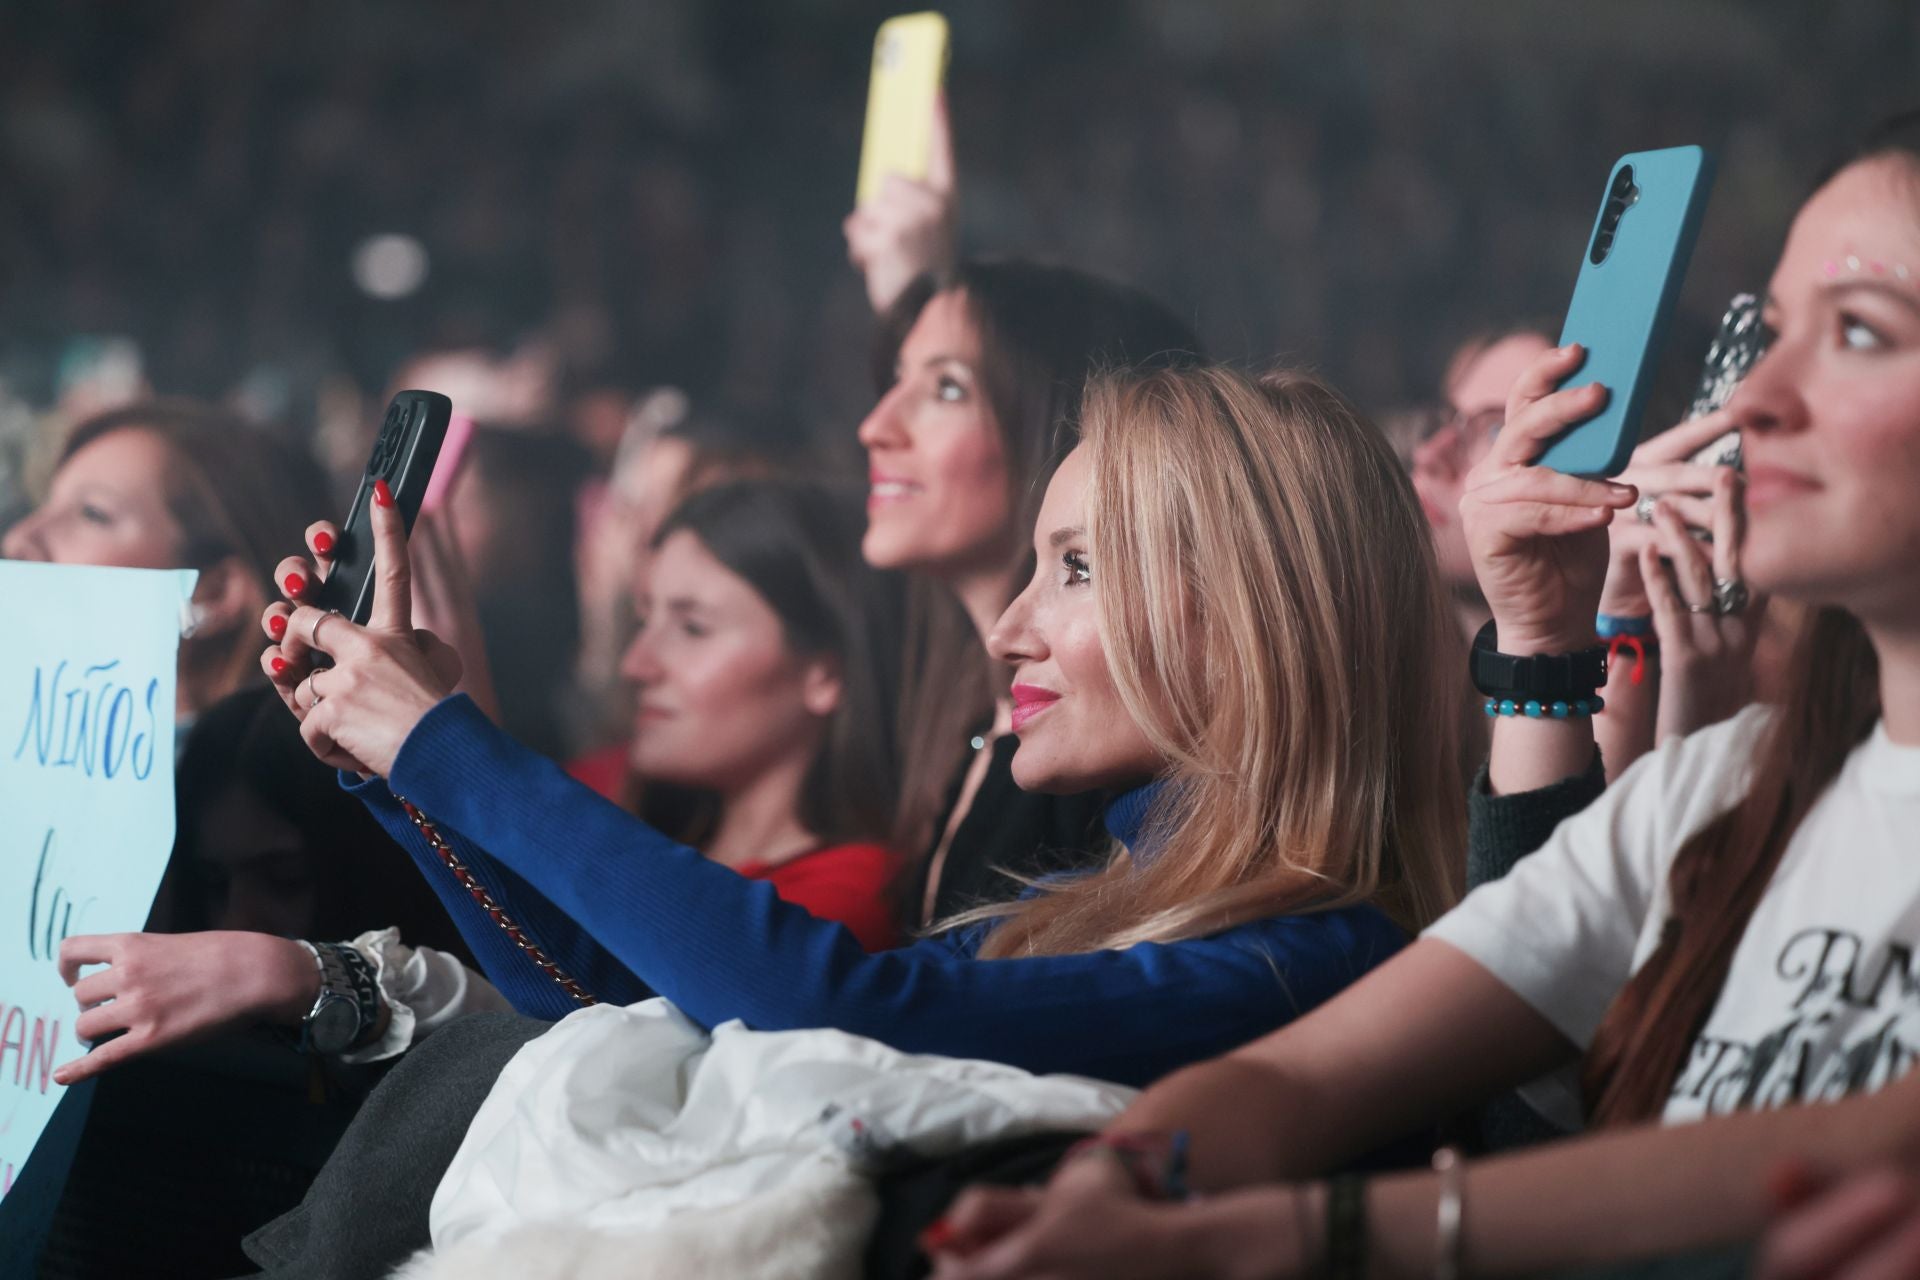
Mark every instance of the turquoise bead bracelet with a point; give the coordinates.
(1535, 710)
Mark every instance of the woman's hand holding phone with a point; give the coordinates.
(386, 675)
(1706, 657)
(908, 229)
(1662, 472)
(1538, 537)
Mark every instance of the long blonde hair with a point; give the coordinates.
(1273, 620)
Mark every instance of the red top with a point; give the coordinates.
(844, 882)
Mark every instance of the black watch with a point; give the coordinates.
(1545, 677)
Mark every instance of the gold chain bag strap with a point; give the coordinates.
(471, 883)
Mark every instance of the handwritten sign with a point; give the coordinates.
(86, 799)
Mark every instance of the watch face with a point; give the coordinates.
(334, 1025)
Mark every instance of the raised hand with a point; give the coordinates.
(1660, 471)
(908, 229)
(386, 675)
(1706, 648)
(1538, 538)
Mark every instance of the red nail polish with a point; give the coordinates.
(295, 584)
(277, 626)
(938, 1237)
(323, 543)
(382, 494)
(279, 665)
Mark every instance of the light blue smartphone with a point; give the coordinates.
(1629, 281)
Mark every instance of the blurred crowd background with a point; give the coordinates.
(286, 207)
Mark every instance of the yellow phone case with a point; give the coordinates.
(909, 61)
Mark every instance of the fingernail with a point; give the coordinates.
(938, 1237)
(279, 665)
(323, 543)
(382, 494)
(277, 626)
(295, 584)
(1621, 490)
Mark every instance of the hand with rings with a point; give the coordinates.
(1660, 471)
(1704, 616)
(385, 675)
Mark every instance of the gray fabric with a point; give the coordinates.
(1501, 830)
(367, 1211)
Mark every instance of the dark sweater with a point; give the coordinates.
(623, 908)
(1008, 839)
(1501, 830)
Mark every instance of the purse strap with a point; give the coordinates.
(471, 883)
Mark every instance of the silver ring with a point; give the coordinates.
(313, 685)
(1700, 608)
(1730, 596)
(1643, 509)
(313, 632)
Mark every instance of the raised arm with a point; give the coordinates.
(722, 947)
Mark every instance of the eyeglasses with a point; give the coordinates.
(1475, 431)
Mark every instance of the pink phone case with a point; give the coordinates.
(447, 468)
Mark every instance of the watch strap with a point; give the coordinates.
(1545, 676)
(345, 975)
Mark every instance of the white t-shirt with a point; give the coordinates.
(1823, 995)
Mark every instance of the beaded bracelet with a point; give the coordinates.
(1535, 710)
(1609, 625)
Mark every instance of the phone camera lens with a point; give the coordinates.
(1623, 181)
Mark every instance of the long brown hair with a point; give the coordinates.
(1832, 699)
(796, 542)
(1043, 331)
(1271, 614)
(1721, 873)
(235, 491)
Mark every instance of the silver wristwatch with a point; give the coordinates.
(336, 1021)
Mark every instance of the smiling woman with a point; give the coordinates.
(980, 371)
(228, 496)
(1270, 851)
(1720, 941)
(1185, 685)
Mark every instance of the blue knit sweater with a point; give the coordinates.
(629, 912)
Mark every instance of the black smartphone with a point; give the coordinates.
(403, 456)
(1741, 341)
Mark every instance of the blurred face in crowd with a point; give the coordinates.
(1075, 734)
(1830, 416)
(940, 497)
(106, 507)
(722, 699)
(1477, 399)
(256, 868)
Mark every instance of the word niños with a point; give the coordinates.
(96, 724)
